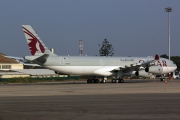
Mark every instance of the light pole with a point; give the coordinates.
(168, 9)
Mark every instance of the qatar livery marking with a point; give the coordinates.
(34, 44)
(162, 64)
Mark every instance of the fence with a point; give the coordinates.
(38, 79)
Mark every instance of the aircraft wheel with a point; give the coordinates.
(121, 81)
(162, 79)
(88, 81)
(113, 80)
(92, 81)
(96, 81)
(103, 81)
(116, 81)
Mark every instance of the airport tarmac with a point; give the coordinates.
(132, 100)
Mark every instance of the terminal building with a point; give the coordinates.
(8, 63)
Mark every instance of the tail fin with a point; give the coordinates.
(156, 57)
(36, 46)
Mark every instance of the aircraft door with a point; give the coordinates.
(101, 62)
(62, 61)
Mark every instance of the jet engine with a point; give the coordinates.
(154, 69)
(142, 73)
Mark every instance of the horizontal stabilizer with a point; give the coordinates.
(41, 60)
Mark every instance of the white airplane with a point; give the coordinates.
(94, 65)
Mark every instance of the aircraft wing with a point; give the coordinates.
(107, 71)
(136, 66)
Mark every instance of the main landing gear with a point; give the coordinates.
(103, 81)
(117, 81)
(162, 79)
(95, 80)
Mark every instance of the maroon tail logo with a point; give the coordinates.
(34, 44)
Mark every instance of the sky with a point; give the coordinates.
(133, 27)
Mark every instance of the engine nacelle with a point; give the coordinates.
(142, 73)
(154, 69)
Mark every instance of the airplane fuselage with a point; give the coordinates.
(86, 65)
